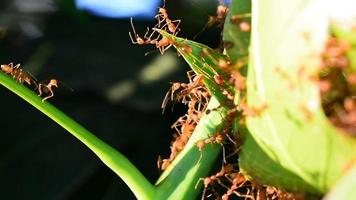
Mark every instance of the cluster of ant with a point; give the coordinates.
(230, 181)
(163, 23)
(22, 77)
(337, 84)
(195, 95)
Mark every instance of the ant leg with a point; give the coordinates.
(178, 21)
(161, 50)
(224, 154)
(132, 26)
(153, 32)
(164, 27)
(36, 85)
(132, 40)
(39, 89)
(51, 95)
(165, 49)
(196, 185)
(160, 18)
(165, 102)
(148, 30)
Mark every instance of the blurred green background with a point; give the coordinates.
(117, 93)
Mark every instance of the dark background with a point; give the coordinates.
(117, 93)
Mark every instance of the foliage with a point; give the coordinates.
(289, 144)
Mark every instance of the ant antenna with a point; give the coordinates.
(164, 4)
(133, 28)
(151, 52)
(66, 85)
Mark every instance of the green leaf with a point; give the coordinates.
(291, 144)
(179, 180)
(237, 40)
(345, 188)
(204, 61)
(139, 185)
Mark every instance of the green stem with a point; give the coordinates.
(138, 184)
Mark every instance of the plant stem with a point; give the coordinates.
(138, 184)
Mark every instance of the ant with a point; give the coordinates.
(252, 111)
(48, 88)
(146, 39)
(218, 139)
(192, 90)
(162, 16)
(171, 93)
(184, 127)
(238, 181)
(218, 20)
(215, 178)
(218, 79)
(163, 44)
(17, 73)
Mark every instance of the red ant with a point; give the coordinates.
(185, 131)
(48, 88)
(163, 44)
(162, 16)
(218, 20)
(221, 12)
(216, 177)
(218, 138)
(175, 86)
(142, 41)
(237, 181)
(192, 90)
(218, 79)
(17, 73)
(251, 111)
(238, 80)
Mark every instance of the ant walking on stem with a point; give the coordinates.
(17, 73)
(23, 77)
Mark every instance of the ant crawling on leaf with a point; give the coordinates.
(161, 42)
(162, 16)
(146, 38)
(225, 169)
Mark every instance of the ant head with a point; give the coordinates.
(176, 86)
(6, 68)
(53, 82)
(222, 10)
(140, 40)
(162, 10)
(219, 138)
(200, 144)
